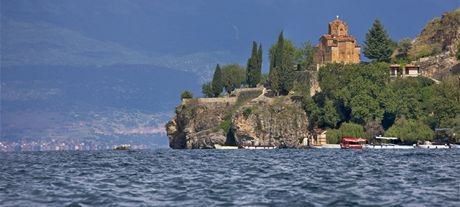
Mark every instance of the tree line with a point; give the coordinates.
(355, 99)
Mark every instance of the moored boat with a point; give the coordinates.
(258, 147)
(122, 147)
(388, 146)
(352, 143)
(455, 146)
(388, 143)
(326, 146)
(429, 145)
(433, 146)
(218, 146)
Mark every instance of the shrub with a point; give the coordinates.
(247, 112)
(186, 94)
(410, 131)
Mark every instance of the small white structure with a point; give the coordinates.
(410, 70)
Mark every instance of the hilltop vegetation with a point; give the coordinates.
(358, 100)
(438, 35)
(363, 94)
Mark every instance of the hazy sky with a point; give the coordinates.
(149, 28)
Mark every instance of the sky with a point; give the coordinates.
(82, 68)
(146, 29)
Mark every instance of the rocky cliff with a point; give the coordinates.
(435, 47)
(270, 121)
(196, 124)
(249, 118)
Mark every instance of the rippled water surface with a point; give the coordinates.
(231, 177)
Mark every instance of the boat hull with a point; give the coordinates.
(217, 146)
(259, 147)
(369, 146)
(429, 146)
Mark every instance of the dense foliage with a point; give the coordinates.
(229, 77)
(233, 76)
(282, 66)
(377, 45)
(346, 130)
(410, 131)
(402, 51)
(186, 94)
(217, 82)
(254, 66)
(363, 94)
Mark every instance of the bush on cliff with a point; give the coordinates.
(186, 94)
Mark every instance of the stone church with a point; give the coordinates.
(337, 46)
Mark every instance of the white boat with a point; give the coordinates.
(429, 145)
(218, 146)
(258, 147)
(433, 146)
(388, 146)
(326, 146)
(455, 146)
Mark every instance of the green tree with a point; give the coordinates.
(333, 136)
(282, 66)
(410, 131)
(304, 56)
(186, 94)
(377, 45)
(402, 50)
(217, 82)
(206, 89)
(258, 72)
(352, 130)
(233, 76)
(253, 70)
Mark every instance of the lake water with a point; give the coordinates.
(320, 177)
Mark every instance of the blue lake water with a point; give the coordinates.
(320, 177)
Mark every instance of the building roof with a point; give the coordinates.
(406, 66)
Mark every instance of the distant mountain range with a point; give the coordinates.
(114, 69)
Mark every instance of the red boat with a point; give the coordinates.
(352, 143)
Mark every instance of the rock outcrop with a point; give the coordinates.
(435, 47)
(275, 121)
(247, 118)
(196, 124)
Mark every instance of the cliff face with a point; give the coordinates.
(435, 47)
(275, 121)
(196, 124)
(255, 120)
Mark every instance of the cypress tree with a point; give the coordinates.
(217, 82)
(282, 73)
(275, 63)
(258, 72)
(252, 67)
(377, 45)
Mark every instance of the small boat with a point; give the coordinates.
(122, 147)
(326, 146)
(455, 146)
(352, 143)
(390, 145)
(258, 147)
(218, 146)
(433, 146)
(429, 145)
